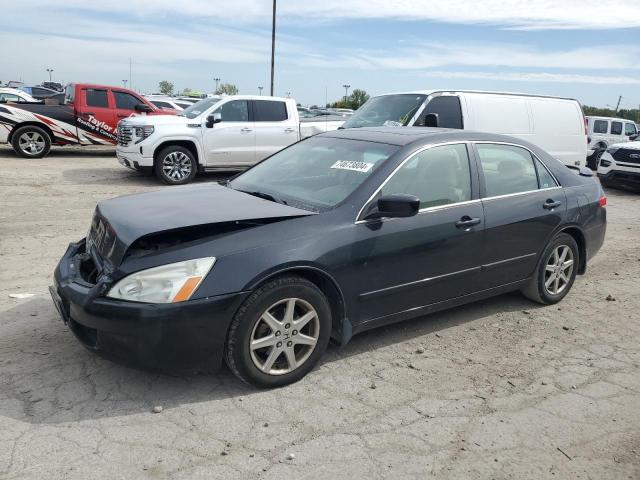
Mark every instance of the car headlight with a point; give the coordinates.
(144, 132)
(170, 283)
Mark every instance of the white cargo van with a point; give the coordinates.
(555, 124)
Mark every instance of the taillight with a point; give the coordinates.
(586, 125)
(602, 201)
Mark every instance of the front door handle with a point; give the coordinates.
(246, 130)
(550, 204)
(89, 113)
(467, 222)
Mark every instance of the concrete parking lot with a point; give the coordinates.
(499, 389)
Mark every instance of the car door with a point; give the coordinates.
(274, 129)
(432, 256)
(231, 141)
(523, 205)
(95, 114)
(125, 104)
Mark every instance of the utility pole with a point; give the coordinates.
(50, 70)
(346, 92)
(124, 83)
(260, 88)
(273, 44)
(288, 94)
(217, 80)
(618, 104)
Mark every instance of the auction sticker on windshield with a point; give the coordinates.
(363, 167)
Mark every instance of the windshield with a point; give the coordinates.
(388, 110)
(197, 108)
(315, 174)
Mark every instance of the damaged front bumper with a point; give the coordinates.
(176, 337)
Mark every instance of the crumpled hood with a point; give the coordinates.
(119, 222)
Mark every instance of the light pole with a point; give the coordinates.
(273, 44)
(260, 88)
(217, 80)
(50, 70)
(124, 83)
(346, 92)
(288, 94)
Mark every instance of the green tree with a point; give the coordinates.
(629, 114)
(166, 87)
(227, 89)
(354, 101)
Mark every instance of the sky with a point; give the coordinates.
(584, 49)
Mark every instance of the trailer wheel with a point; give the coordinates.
(31, 142)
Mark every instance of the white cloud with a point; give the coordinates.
(537, 77)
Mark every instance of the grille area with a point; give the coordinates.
(627, 155)
(125, 134)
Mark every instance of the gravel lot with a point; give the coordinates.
(503, 388)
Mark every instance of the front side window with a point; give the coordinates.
(125, 101)
(269, 111)
(616, 128)
(234, 111)
(97, 98)
(600, 126)
(437, 176)
(70, 94)
(447, 107)
(317, 173)
(507, 169)
(389, 110)
(630, 129)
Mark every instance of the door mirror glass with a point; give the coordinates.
(142, 107)
(213, 119)
(395, 206)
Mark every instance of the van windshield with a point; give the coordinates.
(198, 108)
(387, 110)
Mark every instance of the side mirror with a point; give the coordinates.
(143, 108)
(431, 120)
(3, 100)
(634, 137)
(395, 206)
(213, 119)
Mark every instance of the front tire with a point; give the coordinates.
(556, 271)
(279, 333)
(31, 142)
(176, 165)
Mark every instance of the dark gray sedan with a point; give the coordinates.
(335, 235)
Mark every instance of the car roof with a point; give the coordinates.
(487, 92)
(402, 136)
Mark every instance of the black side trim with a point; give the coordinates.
(491, 266)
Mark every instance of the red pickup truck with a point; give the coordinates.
(88, 116)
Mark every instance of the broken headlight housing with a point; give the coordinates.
(171, 283)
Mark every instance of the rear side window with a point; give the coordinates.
(545, 179)
(507, 169)
(267, 111)
(448, 110)
(600, 126)
(97, 98)
(437, 176)
(616, 128)
(125, 100)
(629, 129)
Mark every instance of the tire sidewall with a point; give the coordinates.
(160, 173)
(247, 318)
(558, 240)
(15, 141)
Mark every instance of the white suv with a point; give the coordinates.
(606, 131)
(620, 165)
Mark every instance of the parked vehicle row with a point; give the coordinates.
(606, 131)
(337, 234)
(88, 116)
(231, 132)
(619, 165)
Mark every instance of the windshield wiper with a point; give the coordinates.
(266, 196)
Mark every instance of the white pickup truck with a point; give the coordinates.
(227, 133)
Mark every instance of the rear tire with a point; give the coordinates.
(556, 271)
(31, 142)
(290, 319)
(176, 165)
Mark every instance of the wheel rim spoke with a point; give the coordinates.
(550, 280)
(291, 358)
(291, 305)
(303, 320)
(271, 321)
(271, 359)
(302, 339)
(268, 341)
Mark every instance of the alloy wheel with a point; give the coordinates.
(32, 143)
(558, 270)
(177, 166)
(284, 336)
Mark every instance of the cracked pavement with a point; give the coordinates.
(503, 388)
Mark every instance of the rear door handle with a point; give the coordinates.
(289, 130)
(246, 130)
(89, 113)
(467, 222)
(550, 204)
